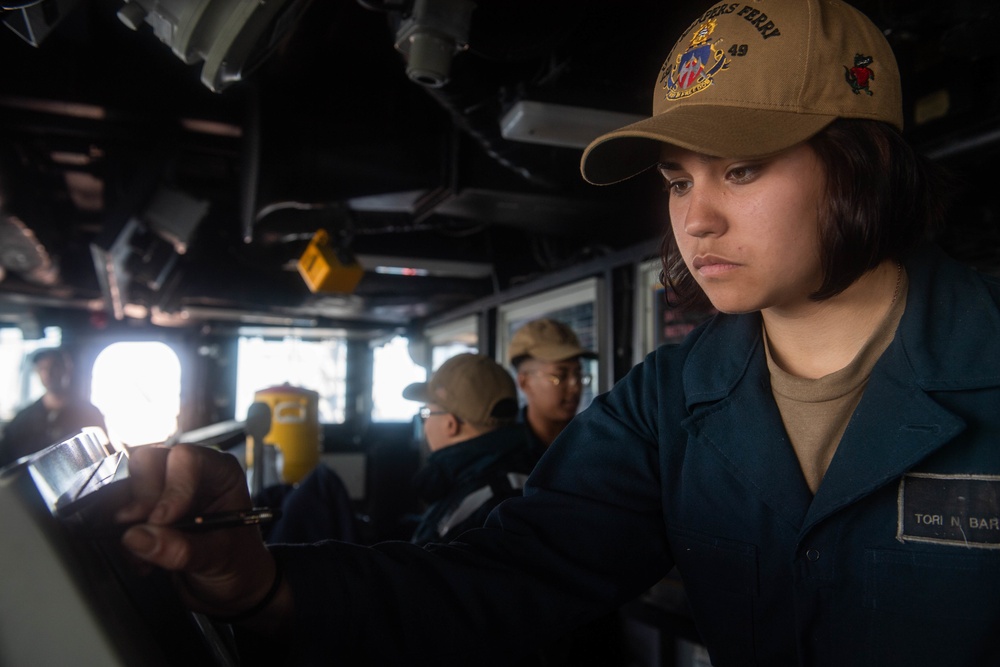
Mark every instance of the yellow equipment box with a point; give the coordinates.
(329, 269)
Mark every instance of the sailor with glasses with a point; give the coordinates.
(478, 455)
(546, 355)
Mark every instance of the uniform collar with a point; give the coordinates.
(448, 466)
(950, 332)
(947, 340)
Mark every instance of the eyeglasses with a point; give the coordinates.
(427, 412)
(582, 380)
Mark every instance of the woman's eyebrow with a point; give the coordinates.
(671, 165)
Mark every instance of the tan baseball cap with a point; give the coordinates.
(472, 387)
(748, 79)
(548, 340)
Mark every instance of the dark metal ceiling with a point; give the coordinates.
(101, 124)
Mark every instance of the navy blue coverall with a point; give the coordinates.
(895, 561)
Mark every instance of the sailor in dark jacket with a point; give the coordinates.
(821, 460)
(548, 361)
(60, 413)
(893, 561)
(477, 458)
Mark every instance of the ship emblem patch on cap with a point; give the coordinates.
(693, 70)
(859, 76)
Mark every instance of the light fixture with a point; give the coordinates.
(422, 266)
(135, 255)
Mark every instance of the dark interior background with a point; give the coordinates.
(327, 131)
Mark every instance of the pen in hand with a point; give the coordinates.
(199, 523)
(218, 520)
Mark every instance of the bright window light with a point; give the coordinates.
(442, 353)
(137, 385)
(19, 384)
(319, 365)
(392, 371)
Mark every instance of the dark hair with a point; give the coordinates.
(882, 198)
(57, 353)
(518, 360)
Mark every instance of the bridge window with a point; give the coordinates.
(19, 384)
(656, 323)
(137, 385)
(392, 371)
(319, 365)
(456, 337)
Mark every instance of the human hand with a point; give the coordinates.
(220, 572)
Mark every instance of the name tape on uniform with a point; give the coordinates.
(950, 509)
